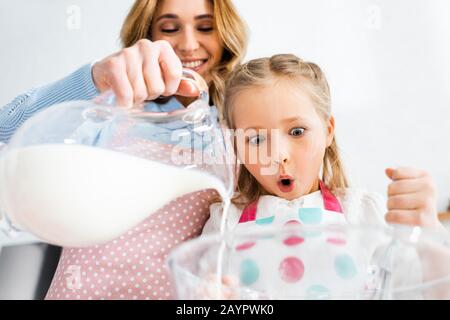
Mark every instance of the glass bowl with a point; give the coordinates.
(314, 262)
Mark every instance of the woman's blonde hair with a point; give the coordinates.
(261, 73)
(229, 25)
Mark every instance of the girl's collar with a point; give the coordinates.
(312, 197)
(322, 198)
(323, 195)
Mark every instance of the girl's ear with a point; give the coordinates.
(330, 131)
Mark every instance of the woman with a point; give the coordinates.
(159, 39)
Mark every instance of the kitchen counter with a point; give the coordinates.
(444, 216)
(19, 238)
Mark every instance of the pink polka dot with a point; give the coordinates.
(245, 246)
(100, 264)
(293, 241)
(337, 242)
(291, 269)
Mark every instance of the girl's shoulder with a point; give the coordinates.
(362, 206)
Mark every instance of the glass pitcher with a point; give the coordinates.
(82, 173)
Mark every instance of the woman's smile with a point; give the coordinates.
(194, 64)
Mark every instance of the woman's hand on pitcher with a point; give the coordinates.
(144, 71)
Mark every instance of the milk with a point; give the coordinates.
(77, 196)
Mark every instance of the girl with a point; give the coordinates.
(282, 105)
(291, 171)
(159, 39)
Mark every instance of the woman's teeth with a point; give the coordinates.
(193, 64)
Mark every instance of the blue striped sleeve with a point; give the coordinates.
(77, 86)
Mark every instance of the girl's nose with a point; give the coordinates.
(283, 157)
(189, 42)
(280, 149)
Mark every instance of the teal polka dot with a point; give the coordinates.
(317, 292)
(310, 215)
(265, 221)
(249, 272)
(345, 267)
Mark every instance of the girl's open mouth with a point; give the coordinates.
(286, 184)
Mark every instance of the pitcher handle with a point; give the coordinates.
(109, 98)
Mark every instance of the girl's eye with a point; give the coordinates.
(256, 140)
(296, 132)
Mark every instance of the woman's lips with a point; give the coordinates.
(194, 65)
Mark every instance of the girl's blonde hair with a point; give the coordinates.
(230, 27)
(261, 73)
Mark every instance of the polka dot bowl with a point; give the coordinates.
(314, 262)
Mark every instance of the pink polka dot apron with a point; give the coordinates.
(133, 266)
(299, 264)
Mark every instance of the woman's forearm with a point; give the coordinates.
(76, 86)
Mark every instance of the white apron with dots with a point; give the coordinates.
(301, 264)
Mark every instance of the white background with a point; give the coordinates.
(387, 62)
